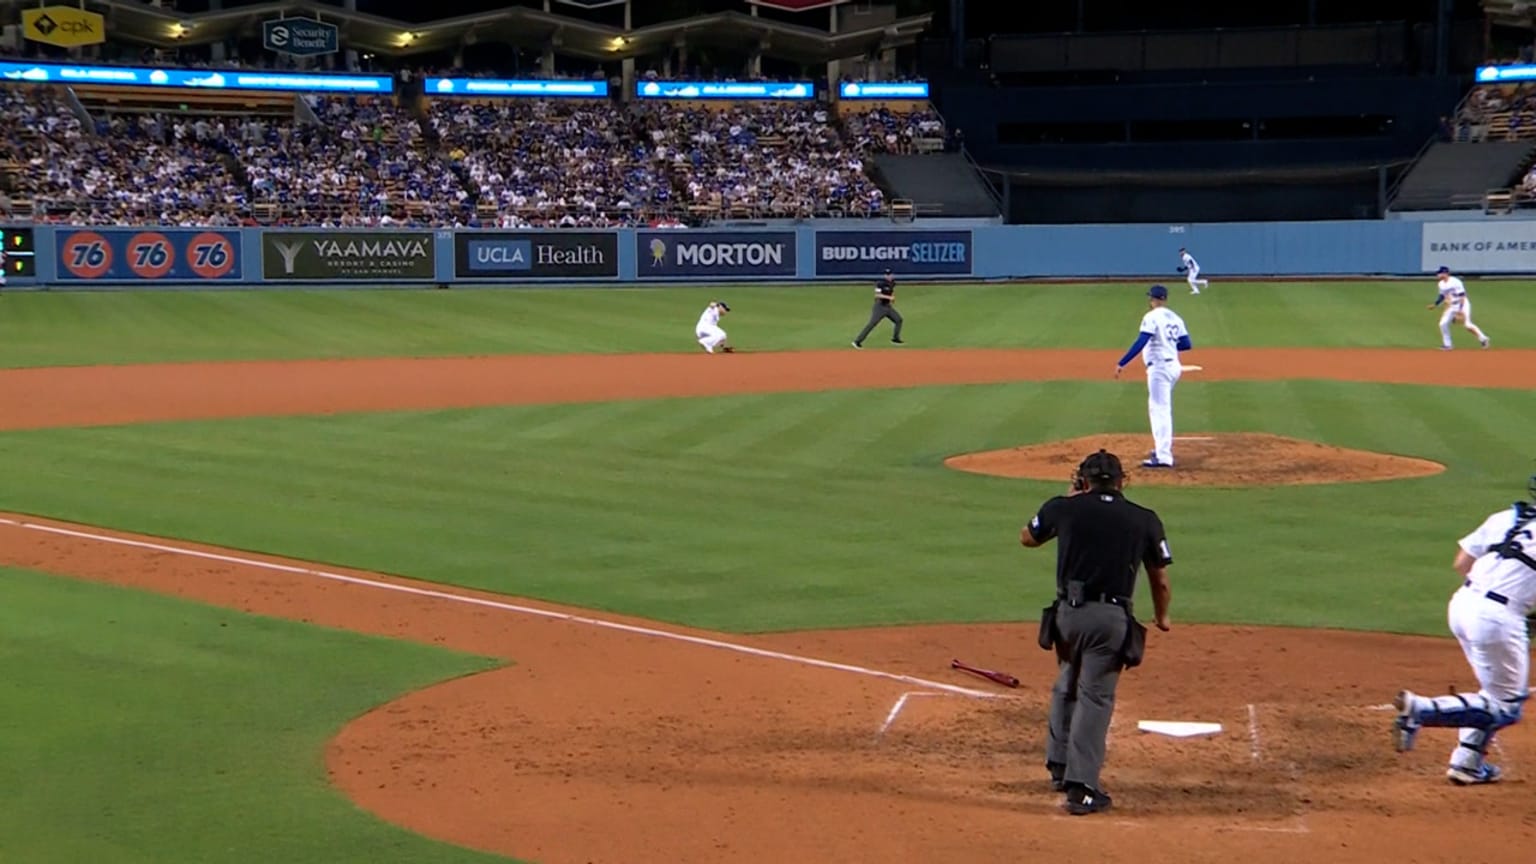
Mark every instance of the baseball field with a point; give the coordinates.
(482, 575)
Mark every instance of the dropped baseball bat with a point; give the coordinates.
(1002, 678)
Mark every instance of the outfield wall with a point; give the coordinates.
(67, 257)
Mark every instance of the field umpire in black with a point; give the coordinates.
(1102, 540)
(885, 307)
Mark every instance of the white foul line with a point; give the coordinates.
(509, 607)
(890, 718)
(1253, 732)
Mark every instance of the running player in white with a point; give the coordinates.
(708, 330)
(1497, 567)
(1163, 336)
(1453, 295)
(1191, 270)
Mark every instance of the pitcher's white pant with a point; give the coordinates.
(710, 337)
(1161, 376)
(1451, 310)
(1493, 638)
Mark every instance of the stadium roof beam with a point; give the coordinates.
(1511, 13)
(140, 22)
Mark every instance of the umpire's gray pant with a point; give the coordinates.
(1083, 699)
(878, 314)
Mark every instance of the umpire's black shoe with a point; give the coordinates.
(1058, 776)
(1083, 800)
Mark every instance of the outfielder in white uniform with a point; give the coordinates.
(1191, 270)
(1453, 295)
(708, 330)
(1162, 338)
(1497, 567)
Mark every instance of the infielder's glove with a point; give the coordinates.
(1182, 269)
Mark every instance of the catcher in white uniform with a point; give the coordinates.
(708, 330)
(1453, 295)
(1487, 614)
(1162, 338)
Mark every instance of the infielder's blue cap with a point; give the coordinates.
(1443, 269)
(1157, 292)
(722, 304)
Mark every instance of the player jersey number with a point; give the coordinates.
(1516, 545)
(1171, 332)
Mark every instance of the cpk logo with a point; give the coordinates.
(87, 255)
(211, 256)
(150, 255)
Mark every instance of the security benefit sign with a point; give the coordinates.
(171, 255)
(714, 254)
(1479, 247)
(64, 26)
(553, 254)
(301, 37)
(348, 256)
(913, 253)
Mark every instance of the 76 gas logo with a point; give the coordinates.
(86, 255)
(150, 255)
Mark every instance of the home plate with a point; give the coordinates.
(1178, 729)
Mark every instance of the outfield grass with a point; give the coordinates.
(803, 510)
(38, 329)
(140, 729)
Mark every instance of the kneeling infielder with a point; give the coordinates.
(708, 331)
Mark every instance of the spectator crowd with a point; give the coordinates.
(356, 161)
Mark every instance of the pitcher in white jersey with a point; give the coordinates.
(1496, 565)
(1453, 295)
(1191, 270)
(1162, 338)
(708, 331)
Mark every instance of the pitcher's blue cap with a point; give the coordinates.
(1157, 292)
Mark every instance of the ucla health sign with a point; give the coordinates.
(125, 255)
(739, 90)
(200, 79)
(852, 90)
(1495, 74)
(915, 253)
(536, 255)
(714, 254)
(514, 87)
(1479, 247)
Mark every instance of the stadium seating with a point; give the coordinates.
(142, 156)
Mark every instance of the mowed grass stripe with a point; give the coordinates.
(796, 510)
(141, 729)
(69, 328)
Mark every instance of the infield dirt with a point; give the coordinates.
(616, 746)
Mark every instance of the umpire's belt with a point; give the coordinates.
(1491, 595)
(1113, 599)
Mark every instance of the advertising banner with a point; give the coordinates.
(536, 254)
(64, 26)
(203, 79)
(714, 254)
(913, 253)
(299, 36)
(347, 256)
(1479, 247)
(515, 87)
(127, 255)
(737, 90)
(893, 90)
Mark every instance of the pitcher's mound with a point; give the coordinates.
(1204, 459)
